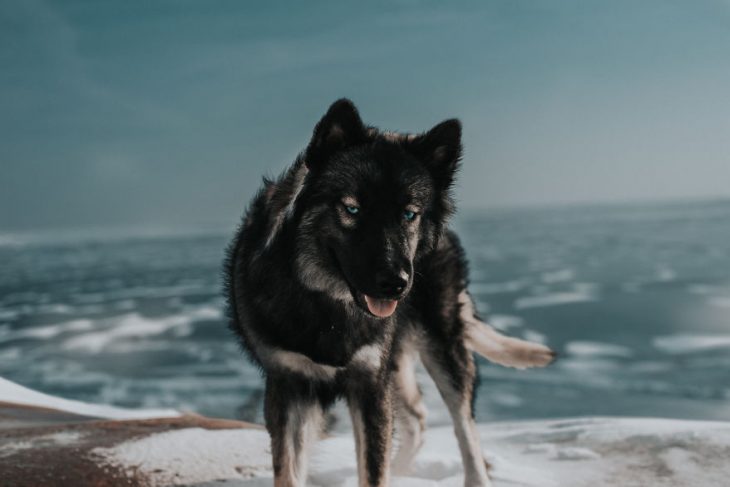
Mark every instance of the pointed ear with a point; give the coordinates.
(340, 127)
(440, 149)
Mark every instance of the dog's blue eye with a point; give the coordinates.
(409, 215)
(352, 210)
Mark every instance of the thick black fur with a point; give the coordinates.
(300, 266)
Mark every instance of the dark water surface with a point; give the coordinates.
(635, 298)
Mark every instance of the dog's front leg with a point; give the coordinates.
(293, 419)
(372, 422)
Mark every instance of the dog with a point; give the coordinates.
(342, 275)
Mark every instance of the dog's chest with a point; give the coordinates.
(329, 335)
(343, 342)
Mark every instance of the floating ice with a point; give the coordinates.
(679, 344)
(562, 275)
(505, 322)
(597, 349)
(49, 331)
(497, 287)
(553, 299)
(134, 325)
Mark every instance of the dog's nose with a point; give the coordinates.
(391, 284)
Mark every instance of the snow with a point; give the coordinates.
(17, 394)
(559, 453)
(62, 438)
(583, 452)
(195, 455)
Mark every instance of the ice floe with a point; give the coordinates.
(685, 343)
(497, 287)
(597, 349)
(505, 322)
(134, 325)
(553, 299)
(561, 275)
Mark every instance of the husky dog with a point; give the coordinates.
(342, 274)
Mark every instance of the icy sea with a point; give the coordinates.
(636, 299)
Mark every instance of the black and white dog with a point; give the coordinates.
(342, 275)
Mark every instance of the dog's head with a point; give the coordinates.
(371, 205)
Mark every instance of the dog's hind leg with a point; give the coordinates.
(294, 421)
(453, 370)
(410, 412)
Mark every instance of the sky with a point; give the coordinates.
(168, 113)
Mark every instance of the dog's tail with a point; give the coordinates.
(495, 347)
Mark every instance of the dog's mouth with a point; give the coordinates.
(382, 308)
(378, 307)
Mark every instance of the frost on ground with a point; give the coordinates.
(194, 455)
(41, 447)
(584, 452)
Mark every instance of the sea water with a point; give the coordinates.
(635, 299)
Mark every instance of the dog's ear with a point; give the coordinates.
(340, 128)
(440, 149)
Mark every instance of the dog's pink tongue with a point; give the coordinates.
(381, 308)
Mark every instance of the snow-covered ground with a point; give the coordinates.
(581, 452)
(550, 453)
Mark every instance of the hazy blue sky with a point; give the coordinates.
(168, 113)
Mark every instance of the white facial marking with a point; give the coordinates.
(347, 219)
(313, 277)
(350, 201)
(311, 269)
